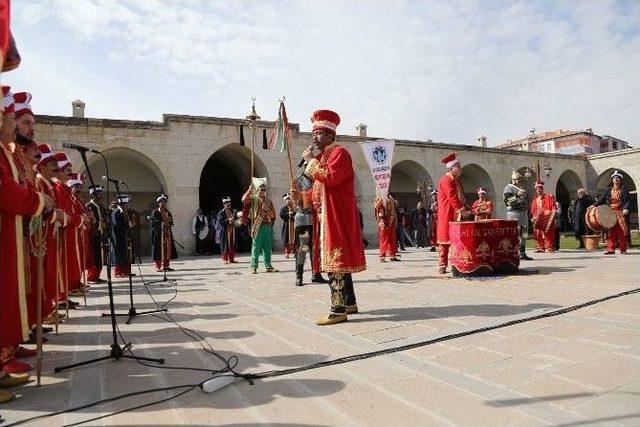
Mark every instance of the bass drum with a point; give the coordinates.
(600, 218)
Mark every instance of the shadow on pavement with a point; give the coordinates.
(404, 314)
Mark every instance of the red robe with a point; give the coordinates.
(482, 209)
(387, 227)
(70, 259)
(543, 212)
(27, 175)
(341, 249)
(50, 290)
(16, 199)
(315, 204)
(451, 203)
(619, 231)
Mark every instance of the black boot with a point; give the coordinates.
(299, 270)
(317, 278)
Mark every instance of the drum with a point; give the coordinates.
(202, 234)
(599, 218)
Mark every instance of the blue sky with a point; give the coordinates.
(441, 70)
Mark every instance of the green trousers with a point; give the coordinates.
(262, 243)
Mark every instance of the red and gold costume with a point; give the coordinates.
(332, 173)
(619, 231)
(75, 240)
(17, 198)
(451, 205)
(341, 250)
(27, 175)
(482, 209)
(617, 197)
(387, 227)
(543, 212)
(71, 258)
(52, 267)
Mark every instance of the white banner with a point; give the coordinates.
(379, 155)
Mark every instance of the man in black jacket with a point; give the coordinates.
(577, 214)
(121, 237)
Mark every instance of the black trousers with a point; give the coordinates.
(402, 241)
(342, 292)
(199, 246)
(302, 249)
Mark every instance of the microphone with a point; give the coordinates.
(79, 147)
(301, 162)
(116, 181)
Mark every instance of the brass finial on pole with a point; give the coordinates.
(253, 117)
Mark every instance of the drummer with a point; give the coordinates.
(617, 197)
(200, 229)
(483, 207)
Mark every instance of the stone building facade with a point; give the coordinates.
(198, 160)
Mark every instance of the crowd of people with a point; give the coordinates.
(54, 244)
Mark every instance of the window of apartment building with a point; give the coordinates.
(547, 147)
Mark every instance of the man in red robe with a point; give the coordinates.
(47, 168)
(617, 197)
(483, 207)
(451, 206)
(17, 198)
(70, 260)
(26, 156)
(387, 226)
(28, 152)
(341, 250)
(76, 244)
(543, 213)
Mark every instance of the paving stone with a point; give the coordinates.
(573, 369)
(606, 372)
(559, 391)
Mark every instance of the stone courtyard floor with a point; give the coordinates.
(577, 369)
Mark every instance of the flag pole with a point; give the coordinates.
(253, 117)
(288, 142)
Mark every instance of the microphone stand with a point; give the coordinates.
(117, 351)
(132, 310)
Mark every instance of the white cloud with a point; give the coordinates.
(439, 69)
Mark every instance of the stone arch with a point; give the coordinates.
(566, 190)
(604, 181)
(144, 181)
(227, 173)
(406, 175)
(474, 176)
